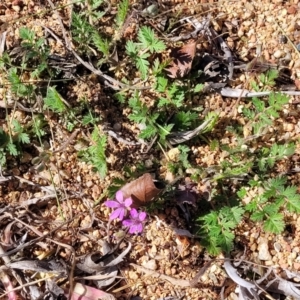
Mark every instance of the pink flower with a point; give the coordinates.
(119, 205)
(135, 223)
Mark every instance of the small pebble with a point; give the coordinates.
(151, 264)
(278, 53)
(117, 127)
(264, 253)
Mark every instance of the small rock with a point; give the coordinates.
(263, 250)
(16, 8)
(89, 183)
(151, 264)
(117, 127)
(278, 53)
(292, 9)
(133, 275)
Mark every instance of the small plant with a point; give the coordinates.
(142, 115)
(140, 51)
(272, 201)
(217, 229)
(53, 101)
(121, 207)
(266, 80)
(268, 156)
(122, 13)
(11, 142)
(95, 154)
(261, 116)
(36, 52)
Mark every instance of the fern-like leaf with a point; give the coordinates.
(54, 101)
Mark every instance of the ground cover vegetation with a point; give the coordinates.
(109, 93)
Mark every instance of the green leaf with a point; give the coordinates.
(161, 84)
(237, 214)
(142, 65)
(24, 138)
(101, 44)
(131, 49)
(198, 88)
(122, 12)
(242, 193)
(95, 154)
(259, 104)
(26, 34)
(258, 216)
(149, 132)
(292, 199)
(274, 224)
(184, 119)
(17, 86)
(12, 149)
(148, 40)
(226, 241)
(53, 101)
(17, 126)
(4, 138)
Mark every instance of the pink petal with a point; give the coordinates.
(132, 229)
(119, 196)
(142, 216)
(114, 215)
(127, 223)
(133, 213)
(112, 204)
(139, 228)
(122, 213)
(128, 202)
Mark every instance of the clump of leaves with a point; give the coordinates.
(142, 115)
(36, 52)
(17, 86)
(53, 101)
(95, 154)
(11, 142)
(140, 51)
(265, 80)
(182, 163)
(217, 228)
(268, 156)
(274, 199)
(261, 115)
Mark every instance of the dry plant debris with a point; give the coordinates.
(103, 97)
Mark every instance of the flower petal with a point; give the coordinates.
(127, 223)
(133, 213)
(114, 214)
(119, 196)
(111, 203)
(122, 212)
(139, 228)
(142, 216)
(128, 202)
(132, 229)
